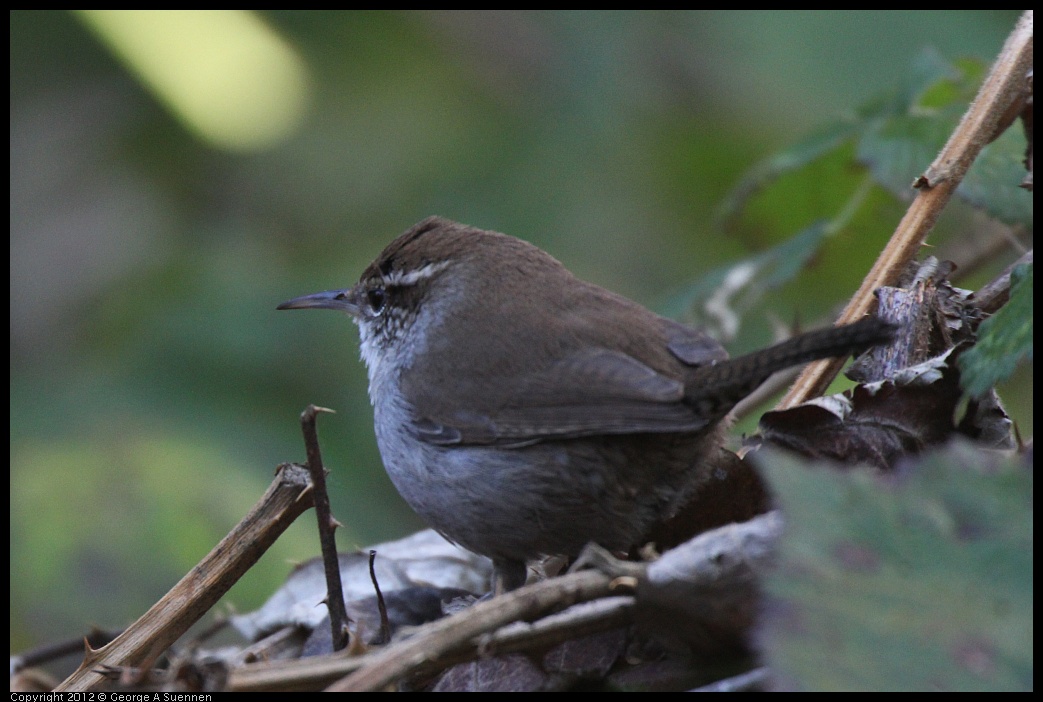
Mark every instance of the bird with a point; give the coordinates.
(523, 412)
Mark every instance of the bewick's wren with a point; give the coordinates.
(522, 411)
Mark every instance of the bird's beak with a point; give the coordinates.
(343, 300)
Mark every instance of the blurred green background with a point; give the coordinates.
(154, 388)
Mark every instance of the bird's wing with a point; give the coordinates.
(589, 392)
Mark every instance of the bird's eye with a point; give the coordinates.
(376, 299)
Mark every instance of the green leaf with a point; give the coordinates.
(935, 82)
(994, 180)
(919, 583)
(816, 145)
(899, 146)
(897, 136)
(899, 149)
(721, 296)
(1003, 339)
(932, 82)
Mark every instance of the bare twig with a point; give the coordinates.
(60, 649)
(1005, 84)
(327, 525)
(385, 627)
(995, 294)
(286, 499)
(720, 561)
(440, 639)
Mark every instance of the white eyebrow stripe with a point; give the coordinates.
(412, 277)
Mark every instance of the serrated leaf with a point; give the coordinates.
(898, 149)
(936, 82)
(993, 181)
(787, 161)
(897, 136)
(720, 297)
(1003, 339)
(920, 583)
(927, 68)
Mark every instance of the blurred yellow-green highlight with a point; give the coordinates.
(225, 74)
